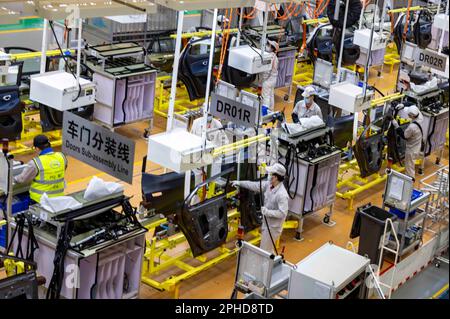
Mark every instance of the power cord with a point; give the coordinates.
(66, 61)
(261, 199)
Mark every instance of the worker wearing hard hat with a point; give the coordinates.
(306, 108)
(46, 171)
(413, 135)
(275, 204)
(269, 78)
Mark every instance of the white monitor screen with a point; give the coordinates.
(408, 52)
(249, 99)
(226, 89)
(349, 76)
(323, 73)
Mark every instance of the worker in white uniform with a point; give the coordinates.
(275, 203)
(306, 108)
(216, 136)
(269, 78)
(413, 135)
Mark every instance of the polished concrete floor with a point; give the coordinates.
(425, 284)
(217, 282)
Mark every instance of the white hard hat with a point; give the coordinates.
(273, 44)
(413, 111)
(309, 91)
(276, 169)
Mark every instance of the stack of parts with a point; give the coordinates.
(136, 101)
(112, 274)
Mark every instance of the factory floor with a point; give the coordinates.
(431, 282)
(217, 282)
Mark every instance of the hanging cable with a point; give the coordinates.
(66, 61)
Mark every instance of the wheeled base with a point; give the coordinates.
(326, 221)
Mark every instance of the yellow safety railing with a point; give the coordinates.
(200, 34)
(239, 144)
(314, 21)
(182, 103)
(387, 98)
(33, 55)
(401, 10)
(157, 260)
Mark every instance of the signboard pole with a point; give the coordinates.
(173, 88)
(441, 42)
(208, 79)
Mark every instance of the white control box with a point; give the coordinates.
(362, 39)
(441, 21)
(249, 60)
(59, 89)
(349, 97)
(179, 151)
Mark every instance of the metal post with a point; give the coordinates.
(208, 80)
(383, 14)
(173, 88)
(341, 51)
(44, 46)
(80, 25)
(361, 17)
(238, 39)
(264, 33)
(441, 42)
(355, 126)
(369, 54)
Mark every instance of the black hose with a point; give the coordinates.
(381, 93)
(291, 156)
(314, 182)
(234, 293)
(65, 60)
(124, 100)
(428, 138)
(55, 286)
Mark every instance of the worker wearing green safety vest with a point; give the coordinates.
(45, 172)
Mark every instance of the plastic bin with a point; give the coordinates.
(369, 225)
(401, 214)
(21, 202)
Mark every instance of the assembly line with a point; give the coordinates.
(224, 149)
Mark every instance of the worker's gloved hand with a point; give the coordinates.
(394, 123)
(399, 106)
(264, 210)
(235, 183)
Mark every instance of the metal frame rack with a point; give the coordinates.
(397, 195)
(438, 209)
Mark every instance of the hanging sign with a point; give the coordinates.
(233, 111)
(97, 146)
(432, 59)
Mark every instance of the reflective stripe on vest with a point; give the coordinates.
(50, 177)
